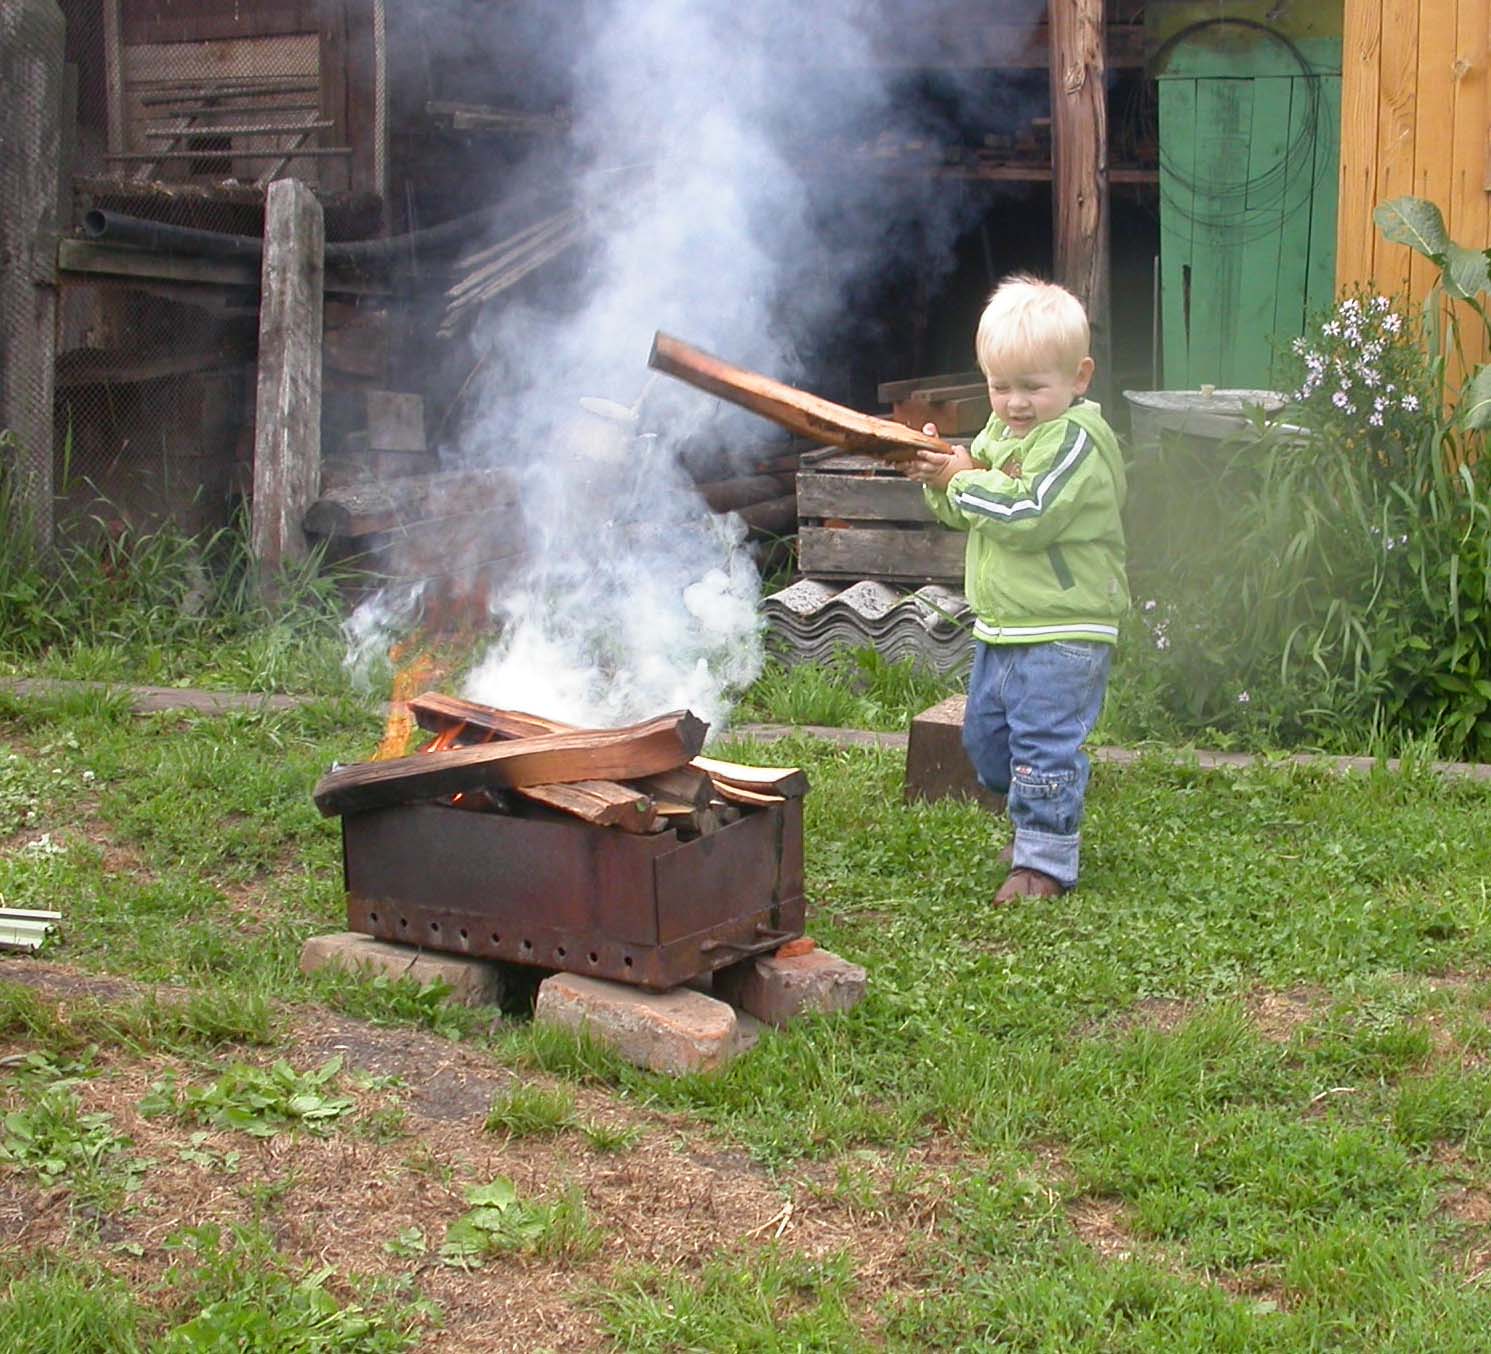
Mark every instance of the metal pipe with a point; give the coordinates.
(102, 224)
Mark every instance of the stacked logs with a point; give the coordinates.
(644, 778)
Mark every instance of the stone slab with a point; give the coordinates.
(936, 765)
(472, 982)
(674, 1032)
(775, 990)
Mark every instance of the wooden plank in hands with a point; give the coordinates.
(607, 754)
(805, 414)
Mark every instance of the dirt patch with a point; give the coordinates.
(1277, 1015)
(1103, 1226)
(404, 1158)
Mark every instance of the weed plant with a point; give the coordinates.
(161, 607)
(1327, 580)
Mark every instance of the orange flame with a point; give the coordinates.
(408, 681)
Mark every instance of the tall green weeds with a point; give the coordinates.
(159, 606)
(1329, 582)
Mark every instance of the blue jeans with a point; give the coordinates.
(1030, 707)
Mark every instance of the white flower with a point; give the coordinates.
(1375, 420)
(1409, 402)
(1340, 399)
(1331, 328)
(1243, 698)
(1381, 303)
(1151, 604)
(1392, 323)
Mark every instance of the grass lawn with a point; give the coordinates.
(1232, 1094)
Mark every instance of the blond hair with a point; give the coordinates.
(1031, 323)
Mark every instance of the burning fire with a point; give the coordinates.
(409, 680)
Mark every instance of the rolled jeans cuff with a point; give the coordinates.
(1049, 853)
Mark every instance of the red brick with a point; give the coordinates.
(775, 990)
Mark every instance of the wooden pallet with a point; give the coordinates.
(857, 518)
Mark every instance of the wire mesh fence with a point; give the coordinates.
(178, 112)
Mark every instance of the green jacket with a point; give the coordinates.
(1045, 556)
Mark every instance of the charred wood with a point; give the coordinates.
(659, 744)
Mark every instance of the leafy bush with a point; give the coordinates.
(1330, 583)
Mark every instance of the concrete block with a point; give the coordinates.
(774, 989)
(936, 765)
(472, 982)
(675, 1032)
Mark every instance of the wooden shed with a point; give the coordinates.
(1415, 119)
(1249, 111)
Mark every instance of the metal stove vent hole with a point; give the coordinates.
(496, 938)
(593, 957)
(373, 917)
(559, 952)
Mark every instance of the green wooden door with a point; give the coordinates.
(1248, 157)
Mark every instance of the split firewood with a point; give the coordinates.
(604, 803)
(787, 781)
(686, 786)
(809, 415)
(437, 713)
(738, 794)
(601, 802)
(659, 744)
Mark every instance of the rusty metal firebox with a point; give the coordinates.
(652, 910)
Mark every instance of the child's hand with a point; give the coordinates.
(936, 468)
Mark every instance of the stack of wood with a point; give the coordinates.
(643, 778)
(484, 273)
(762, 489)
(956, 403)
(459, 531)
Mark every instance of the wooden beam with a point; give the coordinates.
(116, 132)
(805, 414)
(32, 35)
(385, 505)
(1079, 144)
(287, 414)
(607, 754)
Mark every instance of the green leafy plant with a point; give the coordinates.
(499, 1220)
(257, 1101)
(249, 1299)
(1342, 579)
(59, 1143)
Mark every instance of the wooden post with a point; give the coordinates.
(1079, 149)
(32, 33)
(287, 414)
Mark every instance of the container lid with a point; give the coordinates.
(1206, 401)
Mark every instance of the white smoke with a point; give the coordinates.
(719, 217)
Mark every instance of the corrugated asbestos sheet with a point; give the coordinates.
(811, 620)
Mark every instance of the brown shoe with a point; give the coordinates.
(1024, 883)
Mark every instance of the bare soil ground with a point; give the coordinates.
(675, 1199)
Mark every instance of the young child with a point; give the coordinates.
(1039, 493)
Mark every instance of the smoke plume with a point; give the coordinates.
(716, 151)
